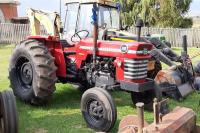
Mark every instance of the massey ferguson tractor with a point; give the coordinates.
(80, 53)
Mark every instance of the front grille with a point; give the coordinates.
(135, 68)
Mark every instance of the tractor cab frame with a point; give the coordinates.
(78, 19)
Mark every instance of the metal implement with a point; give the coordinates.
(180, 120)
(140, 110)
(178, 81)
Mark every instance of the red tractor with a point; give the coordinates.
(80, 54)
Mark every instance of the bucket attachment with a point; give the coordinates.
(185, 89)
(197, 83)
(173, 84)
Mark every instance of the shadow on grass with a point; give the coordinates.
(65, 96)
(53, 123)
(63, 113)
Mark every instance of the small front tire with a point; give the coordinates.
(98, 109)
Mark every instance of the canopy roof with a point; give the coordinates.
(10, 2)
(104, 2)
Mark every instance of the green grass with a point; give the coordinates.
(63, 114)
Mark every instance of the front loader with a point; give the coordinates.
(79, 53)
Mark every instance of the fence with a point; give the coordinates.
(14, 33)
(174, 35)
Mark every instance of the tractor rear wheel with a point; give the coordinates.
(32, 72)
(8, 113)
(147, 97)
(98, 109)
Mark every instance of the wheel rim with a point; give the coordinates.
(95, 110)
(24, 72)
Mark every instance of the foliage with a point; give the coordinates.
(160, 13)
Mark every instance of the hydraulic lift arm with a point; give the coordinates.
(50, 21)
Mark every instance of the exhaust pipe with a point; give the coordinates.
(139, 24)
(95, 31)
(184, 52)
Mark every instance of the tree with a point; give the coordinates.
(130, 11)
(160, 13)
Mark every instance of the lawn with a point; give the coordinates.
(63, 114)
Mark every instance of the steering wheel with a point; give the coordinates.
(77, 33)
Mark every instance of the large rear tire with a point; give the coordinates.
(32, 72)
(8, 113)
(98, 109)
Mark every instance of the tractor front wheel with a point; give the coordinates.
(98, 109)
(32, 72)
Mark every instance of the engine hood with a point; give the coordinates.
(119, 35)
(117, 48)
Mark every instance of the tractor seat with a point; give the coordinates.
(65, 44)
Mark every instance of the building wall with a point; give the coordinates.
(9, 10)
(2, 19)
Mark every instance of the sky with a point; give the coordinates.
(53, 5)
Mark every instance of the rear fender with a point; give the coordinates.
(56, 51)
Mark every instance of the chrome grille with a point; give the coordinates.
(135, 69)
